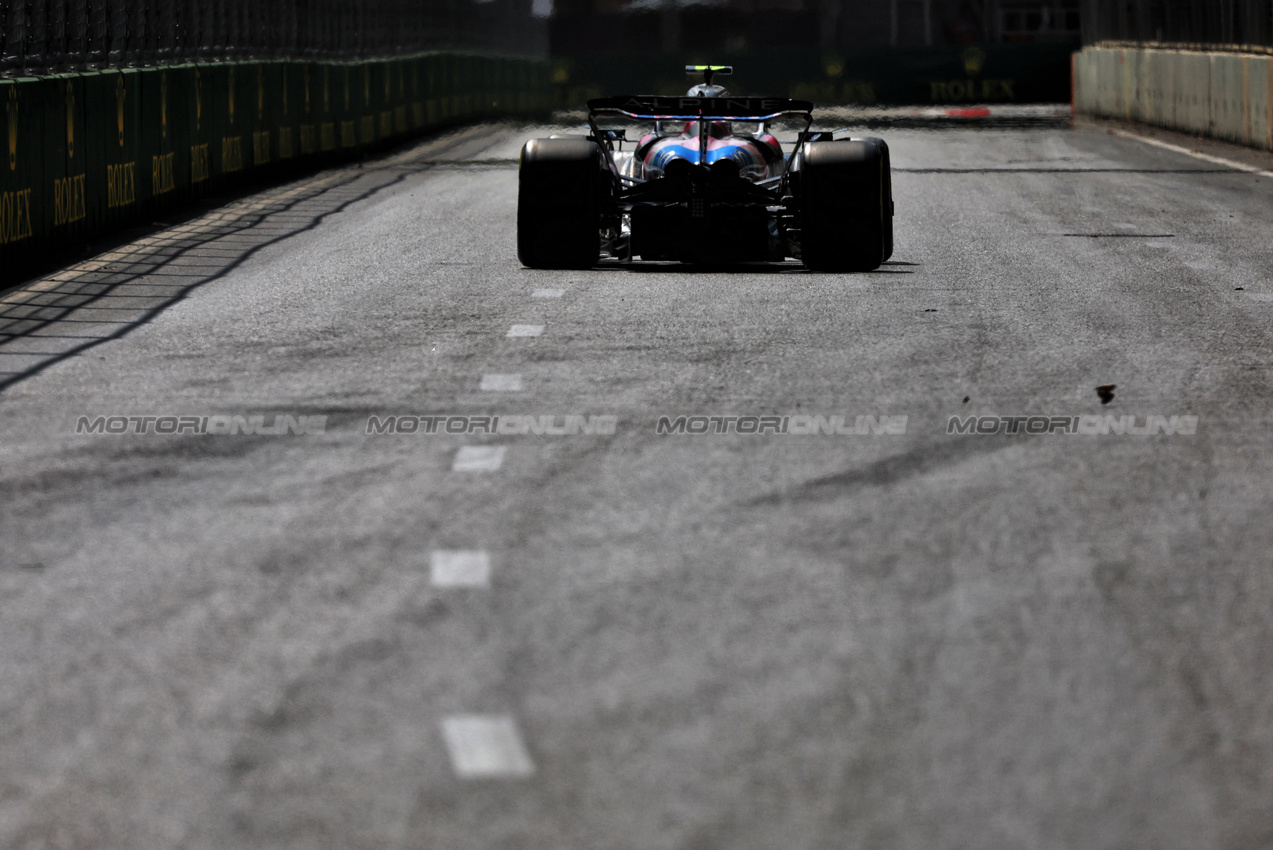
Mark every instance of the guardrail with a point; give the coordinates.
(87, 152)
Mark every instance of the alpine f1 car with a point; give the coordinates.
(694, 189)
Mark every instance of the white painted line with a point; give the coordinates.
(548, 293)
(525, 330)
(478, 459)
(458, 568)
(502, 383)
(1214, 160)
(484, 746)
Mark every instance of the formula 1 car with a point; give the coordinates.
(694, 190)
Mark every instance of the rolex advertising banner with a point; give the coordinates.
(23, 172)
(897, 76)
(88, 152)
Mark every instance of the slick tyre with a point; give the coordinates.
(842, 205)
(560, 185)
(888, 194)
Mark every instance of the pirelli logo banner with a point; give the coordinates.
(656, 106)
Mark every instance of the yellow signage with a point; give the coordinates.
(200, 169)
(121, 94)
(13, 127)
(969, 91)
(121, 184)
(70, 120)
(163, 178)
(974, 59)
(231, 154)
(260, 148)
(68, 199)
(15, 216)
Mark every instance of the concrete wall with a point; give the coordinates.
(85, 153)
(1224, 95)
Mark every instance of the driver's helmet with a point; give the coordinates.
(715, 129)
(704, 90)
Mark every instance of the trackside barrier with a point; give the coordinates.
(88, 152)
(1225, 95)
(934, 76)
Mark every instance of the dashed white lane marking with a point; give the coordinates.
(458, 568)
(478, 459)
(502, 383)
(1215, 160)
(525, 330)
(484, 746)
(548, 293)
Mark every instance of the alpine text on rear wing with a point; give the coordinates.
(688, 108)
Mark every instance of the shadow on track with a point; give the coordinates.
(68, 312)
(785, 267)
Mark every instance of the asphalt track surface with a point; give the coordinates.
(673, 642)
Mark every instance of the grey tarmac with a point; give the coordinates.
(624, 639)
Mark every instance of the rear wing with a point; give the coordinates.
(661, 108)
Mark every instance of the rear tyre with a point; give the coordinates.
(559, 192)
(888, 194)
(842, 206)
